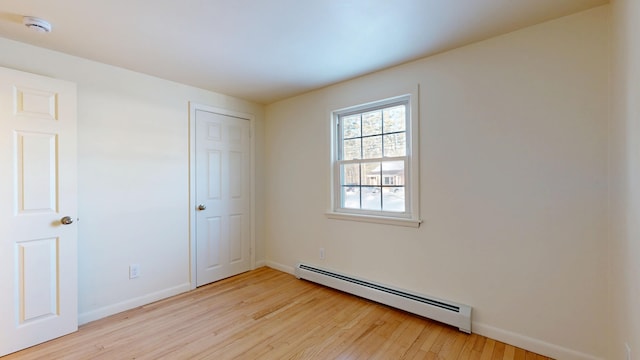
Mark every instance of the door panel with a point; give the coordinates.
(212, 248)
(215, 175)
(222, 185)
(36, 165)
(39, 104)
(235, 238)
(235, 175)
(38, 254)
(37, 263)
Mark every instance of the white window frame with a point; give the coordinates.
(410, 217)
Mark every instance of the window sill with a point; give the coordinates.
(375, 219)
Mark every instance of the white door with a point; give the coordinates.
(222, 195)
(38, 205)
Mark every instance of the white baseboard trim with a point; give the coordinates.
(280, 267)
(100, 313)
(259, 264)
(531, 344)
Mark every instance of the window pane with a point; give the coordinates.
(351, 149)
(351, 126)
(393, 199)
(395, 119)
(350, 174)
(393, 174)
(395, 144)
(371, 198)
(393, 170)
(372, 123)
(372, 147)
(351, 197)
(371, 174)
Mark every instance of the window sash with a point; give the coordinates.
(340, 183)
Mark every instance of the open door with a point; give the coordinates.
(38, 209)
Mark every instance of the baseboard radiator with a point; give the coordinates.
(447, 312)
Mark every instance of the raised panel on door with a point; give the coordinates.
(212, 250)
(236, 252)
(38, 187)
(40, 104)
(214, 172)
(235, 174)
(38, 294)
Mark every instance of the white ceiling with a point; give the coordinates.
(266, 50)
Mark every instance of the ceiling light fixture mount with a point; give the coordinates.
(36, 24)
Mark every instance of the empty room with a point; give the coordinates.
(336, 179)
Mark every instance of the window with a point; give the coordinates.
(373, 161)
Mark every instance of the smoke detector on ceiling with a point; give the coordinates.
(36, 24)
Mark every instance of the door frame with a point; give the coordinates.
(193, 107)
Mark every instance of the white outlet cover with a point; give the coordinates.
(134, 271)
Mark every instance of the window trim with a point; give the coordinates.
(410, 217)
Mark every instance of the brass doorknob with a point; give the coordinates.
(67, 220)
(202, 207)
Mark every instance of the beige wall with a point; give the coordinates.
(133, 176)
(625, 179)
(513, 138)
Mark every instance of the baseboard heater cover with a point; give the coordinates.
(447, 312)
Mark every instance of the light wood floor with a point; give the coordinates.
(267, 314)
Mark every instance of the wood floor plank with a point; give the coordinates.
(417, 343)
(498, 351)
(456, 347)
(487, 351)
(531, 356)
(520, 354)
(467, 349)
(478, 348)
(267, 314)
(398, 344)
(509, 352)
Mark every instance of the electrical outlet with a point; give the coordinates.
(321, 253)
(134, 271)
(626, 346)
